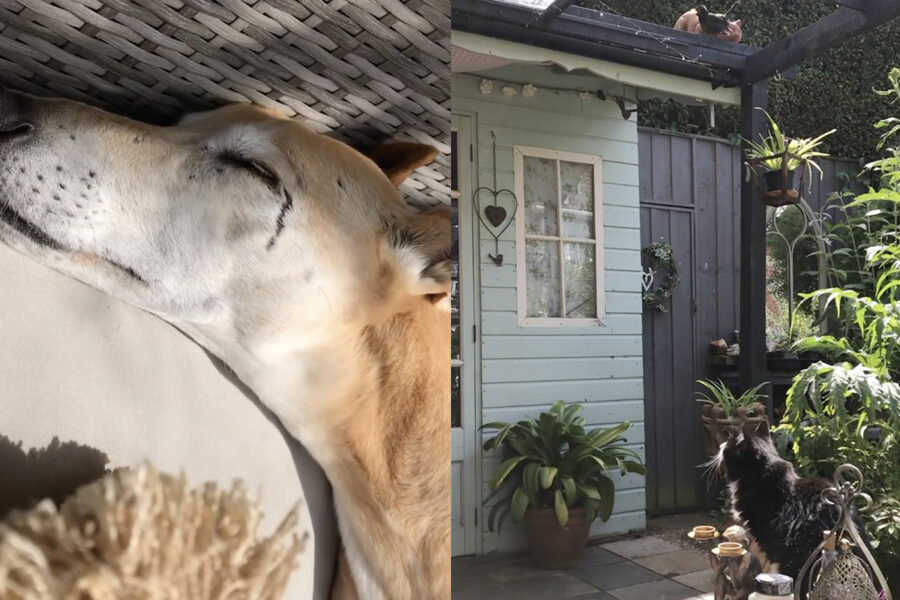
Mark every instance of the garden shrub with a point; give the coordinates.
(847, 409)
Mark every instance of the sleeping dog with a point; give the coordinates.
(294, 259)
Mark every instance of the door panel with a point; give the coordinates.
(465, 493)
(671, 415)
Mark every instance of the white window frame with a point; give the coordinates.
(519, 154)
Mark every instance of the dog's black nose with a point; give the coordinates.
(14, 121)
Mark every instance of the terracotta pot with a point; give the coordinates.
(717, 428)
(552, 546)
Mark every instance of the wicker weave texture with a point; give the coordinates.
(367, 70)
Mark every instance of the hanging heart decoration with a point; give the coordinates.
(498, 218)
(495, 214)
(647, 279)
(495, 218)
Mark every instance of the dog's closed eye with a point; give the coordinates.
(260, 171)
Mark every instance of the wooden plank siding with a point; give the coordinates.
(690, 196)
(525, 369)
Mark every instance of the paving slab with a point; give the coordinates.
(616, 575)
(553, 585)
(664, 589)
(675, 563)
(595, 555)
(641, 547)
(704, 581)
(472, 585)
(598, 595)
(517, 572)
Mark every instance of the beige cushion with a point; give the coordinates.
(81, 366)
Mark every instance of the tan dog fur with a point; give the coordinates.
(323, 292)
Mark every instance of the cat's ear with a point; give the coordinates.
(756, 428)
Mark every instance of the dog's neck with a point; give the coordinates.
(372, 406)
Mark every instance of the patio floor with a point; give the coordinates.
(650, 567)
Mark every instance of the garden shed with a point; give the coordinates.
(550, 287)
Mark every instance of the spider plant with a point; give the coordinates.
(800, 151)
(552, 461)
(720, 395)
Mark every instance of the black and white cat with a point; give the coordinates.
(784, 512)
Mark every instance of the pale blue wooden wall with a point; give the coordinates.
(524, 370)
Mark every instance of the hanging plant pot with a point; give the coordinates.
(552, 546)
(717, 428)
(780, 187)
(777, 181)
(783, 360)
(810, 357)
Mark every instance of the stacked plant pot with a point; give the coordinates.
(717, 427)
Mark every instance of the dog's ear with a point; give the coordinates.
(398, 160)
(423, 243)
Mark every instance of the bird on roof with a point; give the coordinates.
(700, 20)
(711, 23)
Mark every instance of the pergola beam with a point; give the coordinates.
(829, 31)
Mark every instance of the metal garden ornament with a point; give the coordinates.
(497, 218)
(841, 574)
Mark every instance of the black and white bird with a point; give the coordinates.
(712, 23)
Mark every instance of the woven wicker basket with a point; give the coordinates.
(367, 70)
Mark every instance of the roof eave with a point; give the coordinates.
(608, 37)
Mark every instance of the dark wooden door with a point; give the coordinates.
(671, 416)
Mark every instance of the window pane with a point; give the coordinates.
(542, 278)
(577, 185)
(577, 199)
(581, 281)
(541, 196)
(578, 225)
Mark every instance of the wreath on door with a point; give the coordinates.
(660, 258)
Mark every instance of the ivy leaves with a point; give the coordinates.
(661, 259)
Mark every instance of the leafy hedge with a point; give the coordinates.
(833, 89)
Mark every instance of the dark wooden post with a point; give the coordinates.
(753, 251)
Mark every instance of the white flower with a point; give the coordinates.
(528, 90)
(486, 86)
(509, 91)
(584, 94)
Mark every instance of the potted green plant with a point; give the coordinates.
(780, 157)
(784, 328)
(556, 477)
(723, 411)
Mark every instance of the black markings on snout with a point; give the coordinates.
(287, 205)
